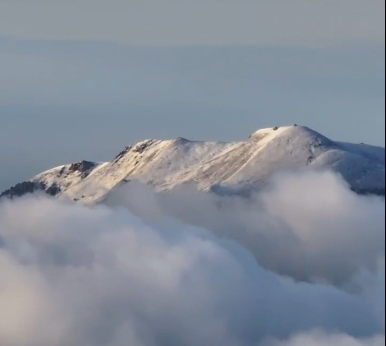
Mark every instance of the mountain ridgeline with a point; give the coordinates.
(219, 167)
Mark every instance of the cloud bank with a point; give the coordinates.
(137, 275)
(308, 225)
(209, 22)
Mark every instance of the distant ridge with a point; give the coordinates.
(215, 166)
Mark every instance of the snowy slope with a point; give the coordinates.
(237, 166)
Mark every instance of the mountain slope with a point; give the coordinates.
(237, 167)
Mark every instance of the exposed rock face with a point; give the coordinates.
(53, 190)
(83, 167)
(140, 148)
(28, 187)
(123, 153)
(22, 189)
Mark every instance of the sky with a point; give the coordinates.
(82, 79)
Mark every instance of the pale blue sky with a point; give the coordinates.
(81, 82)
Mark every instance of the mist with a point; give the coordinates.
(301, 263)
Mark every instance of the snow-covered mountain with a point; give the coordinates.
(214, 166)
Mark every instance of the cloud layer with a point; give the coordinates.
(72, 275)
(173, 22)
(308, 225)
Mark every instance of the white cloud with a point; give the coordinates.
(171, 22)
(308, 225)
(72, 275)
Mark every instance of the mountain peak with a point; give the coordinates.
(277, 130)
(182, 141)
(270, 130)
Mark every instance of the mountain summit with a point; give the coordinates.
(215, 166)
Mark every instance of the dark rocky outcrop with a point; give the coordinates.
(23, 189)
(53, 190)
(123, 153)
(139, 148)
(28, 187)
(142, 147)
(83, 167)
